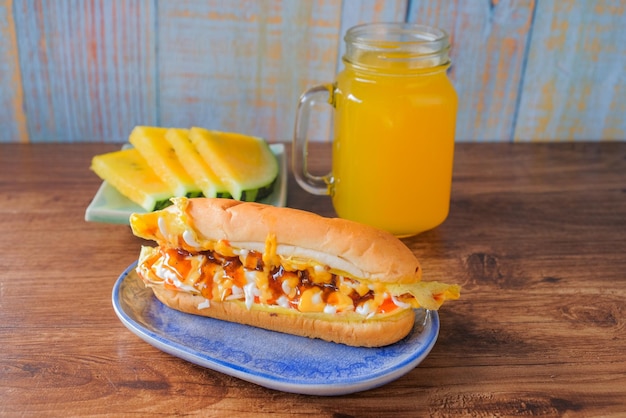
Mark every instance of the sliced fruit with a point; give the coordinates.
(197, 168)
(156, 150)
(245, 164)
(130, 174)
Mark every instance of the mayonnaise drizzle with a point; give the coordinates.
(162, 227)
(283, 302)
(365, 309)
(250, 291)
(204, 305)
(330, 309)
(399, 303)
(237, 293)
(285, 287)
(190, 239)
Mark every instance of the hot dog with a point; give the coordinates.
(284, 270)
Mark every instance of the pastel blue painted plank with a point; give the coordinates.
(575, 85)
(12, 116)
(241, 66)
(489, 41)
(369, 11)
(87, 68)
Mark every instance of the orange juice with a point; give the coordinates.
(393, 147)
(394, 122)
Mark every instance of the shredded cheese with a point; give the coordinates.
(269, 255)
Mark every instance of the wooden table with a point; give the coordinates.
(536, 236)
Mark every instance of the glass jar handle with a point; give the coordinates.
(318, 185)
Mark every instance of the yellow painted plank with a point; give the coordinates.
(12, 116)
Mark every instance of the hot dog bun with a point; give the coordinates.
(358, 249)
(358, 332)
(285, 270)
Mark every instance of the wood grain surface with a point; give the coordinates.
(535, 236)
(90, 70)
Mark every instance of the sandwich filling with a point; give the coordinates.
(267, 275)
(256, 279)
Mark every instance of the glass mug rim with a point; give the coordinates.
(418, 46)
(413, 33)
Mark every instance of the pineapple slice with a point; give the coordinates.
(201, 173)
(151, 143)
(245, 164)
(130, 174)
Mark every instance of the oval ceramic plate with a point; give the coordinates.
(109, 206)
(271, 359)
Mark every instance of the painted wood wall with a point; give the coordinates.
(90, 70)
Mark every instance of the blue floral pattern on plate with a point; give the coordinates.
(271, 359)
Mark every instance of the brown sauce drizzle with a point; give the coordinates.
(234, 269)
